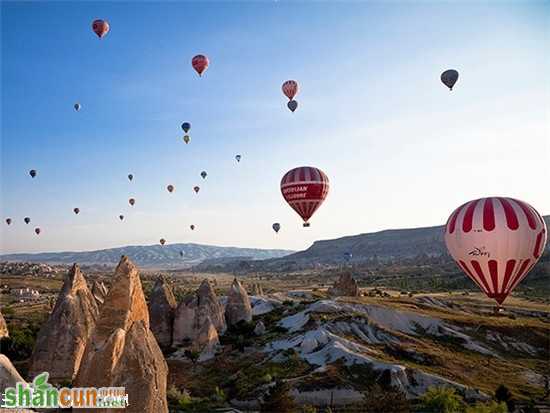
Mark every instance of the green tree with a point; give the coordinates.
(385, 400)
(489, 407)
(278, 399)
(441, 400)
(503, 394)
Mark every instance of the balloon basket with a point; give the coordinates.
(306, 224)
(497, 309)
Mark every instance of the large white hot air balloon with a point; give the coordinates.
(496, 241)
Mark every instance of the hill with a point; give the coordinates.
(150, 256)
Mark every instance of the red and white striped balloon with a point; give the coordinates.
(496, 241)
(305, 188)
(290, 89)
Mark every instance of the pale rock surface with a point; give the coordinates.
(122, 351)
(238, 306)
(61, 341)
(162, 307)
(345, 286)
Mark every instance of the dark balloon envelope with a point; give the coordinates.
(292, 105)
(449, 78)
(32, 173)
(27, 220)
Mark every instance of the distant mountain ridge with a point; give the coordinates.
(150, 256)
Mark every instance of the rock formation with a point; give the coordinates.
(257, 289)
(99, 291)
(207, 340)
(3, 327)
(259, 330)
(345, 286)
(162, 307)
(122, 351)
(61, 341)
(238, 304)
(8, 374)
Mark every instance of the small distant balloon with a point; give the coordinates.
(100, 27)
(204, 174)
(276, 227)
(76, 210)
(27, 220)
(37, 230)
(196, 189)
(449, 78)
(292, 105)
(200, 63)
(121, 217)
(290, 89)
(162, 241)
(181, 253)
(348, 256)
(186, 126)
(77, 106)
(186, 139)
(8, 221)
(192, 227)
(170, 188)
(238, 158)
(32, 173)
(130, 177)
(132, 201)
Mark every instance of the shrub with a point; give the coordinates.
(20, 343)
(503, 394)
(390, 400)
(489, 407)
(441, 400)
(278, 399)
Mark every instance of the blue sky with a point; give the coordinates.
(399, 148)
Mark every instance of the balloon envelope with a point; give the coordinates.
(200, 63)
(37, 230)
(290, 88)
(132, 201)
(77, 106)
(130, 177)
(196, 189)
(170, 188)
(32, 173)
(449, 78)
(238, 158)
(100, 27)
(76, 210)
(292, 105)
(27, 220)
(203, 174)
(192, 227)
(496, 241)
(162, 241)
(186, 139)
(186, 126)
(8, 221)
(121, 217)
(305, 188)
(276, 227)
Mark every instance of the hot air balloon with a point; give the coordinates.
(238, 158)
(132, 201)
(186, 126)
(348, 256)
(192, 227)
(37, 231)
(27, 220)
(121, 217)
(200, 63)
(170, 188)
(305, 188)
(77, 106)
(181, 253)
(186, 139)
(204, 174)
(292, 105)
(32, 173)
(130, 177)
(496, 241)
(290, 89)
(196, 189)
(162, 241)
(8, 221)
(76, 210)
(449, 78)
(276, 227)
(100, 27)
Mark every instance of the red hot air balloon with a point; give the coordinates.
(496, 242)
(196, 189)
(200, 63)
(37, 231)
(132, 201)
(290, 89)
(192, 227)
(100, 27)
(305, 188)
(170, 188)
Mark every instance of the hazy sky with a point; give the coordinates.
(399, 148)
